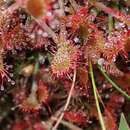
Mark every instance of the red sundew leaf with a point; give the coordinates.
(110, 121)
(30, 104)
(115, 45)
(92, 52)
(19, 126)
(78, 91)
(37, 39)
(84, 83)
(99, 39)
(83, 76)
(42, 92)
(115, 104)
(13, 34)
(19, 94)
(4, 74)
(112, 69)
(65, 60)
(93, 112)
(39, 126)
(80, 18)
(115, 13)
(75, 117)
(95, 45)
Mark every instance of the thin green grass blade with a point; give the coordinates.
(113, 83)
(101, 120)
(123, 123)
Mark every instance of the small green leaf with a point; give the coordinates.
(123, 123)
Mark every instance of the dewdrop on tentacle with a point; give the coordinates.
(4, 74)
(12, 29)
(79, 117)
(65, 59)
(67, 55)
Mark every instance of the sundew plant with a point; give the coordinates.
(64, 64)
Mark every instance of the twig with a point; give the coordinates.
(67, 102)
(50, 122)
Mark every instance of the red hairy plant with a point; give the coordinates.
(93, 53)
(19, 95)
(27, 124)
(115, 45)
(30, 104)
(115, 13)
(59, 50)
(19, 125)
(80, 18)
(42, 92)
(110, 121)
(39, 94)
(94, 45)
(115, 101)
(78, 91)
(39, 126)
(4, 74)
(84, 84)
(12, 32)
(65, 59)
(78, 117)
(36, 35)
(111, 69)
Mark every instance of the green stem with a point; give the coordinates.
(102, 123)
(113, 83)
